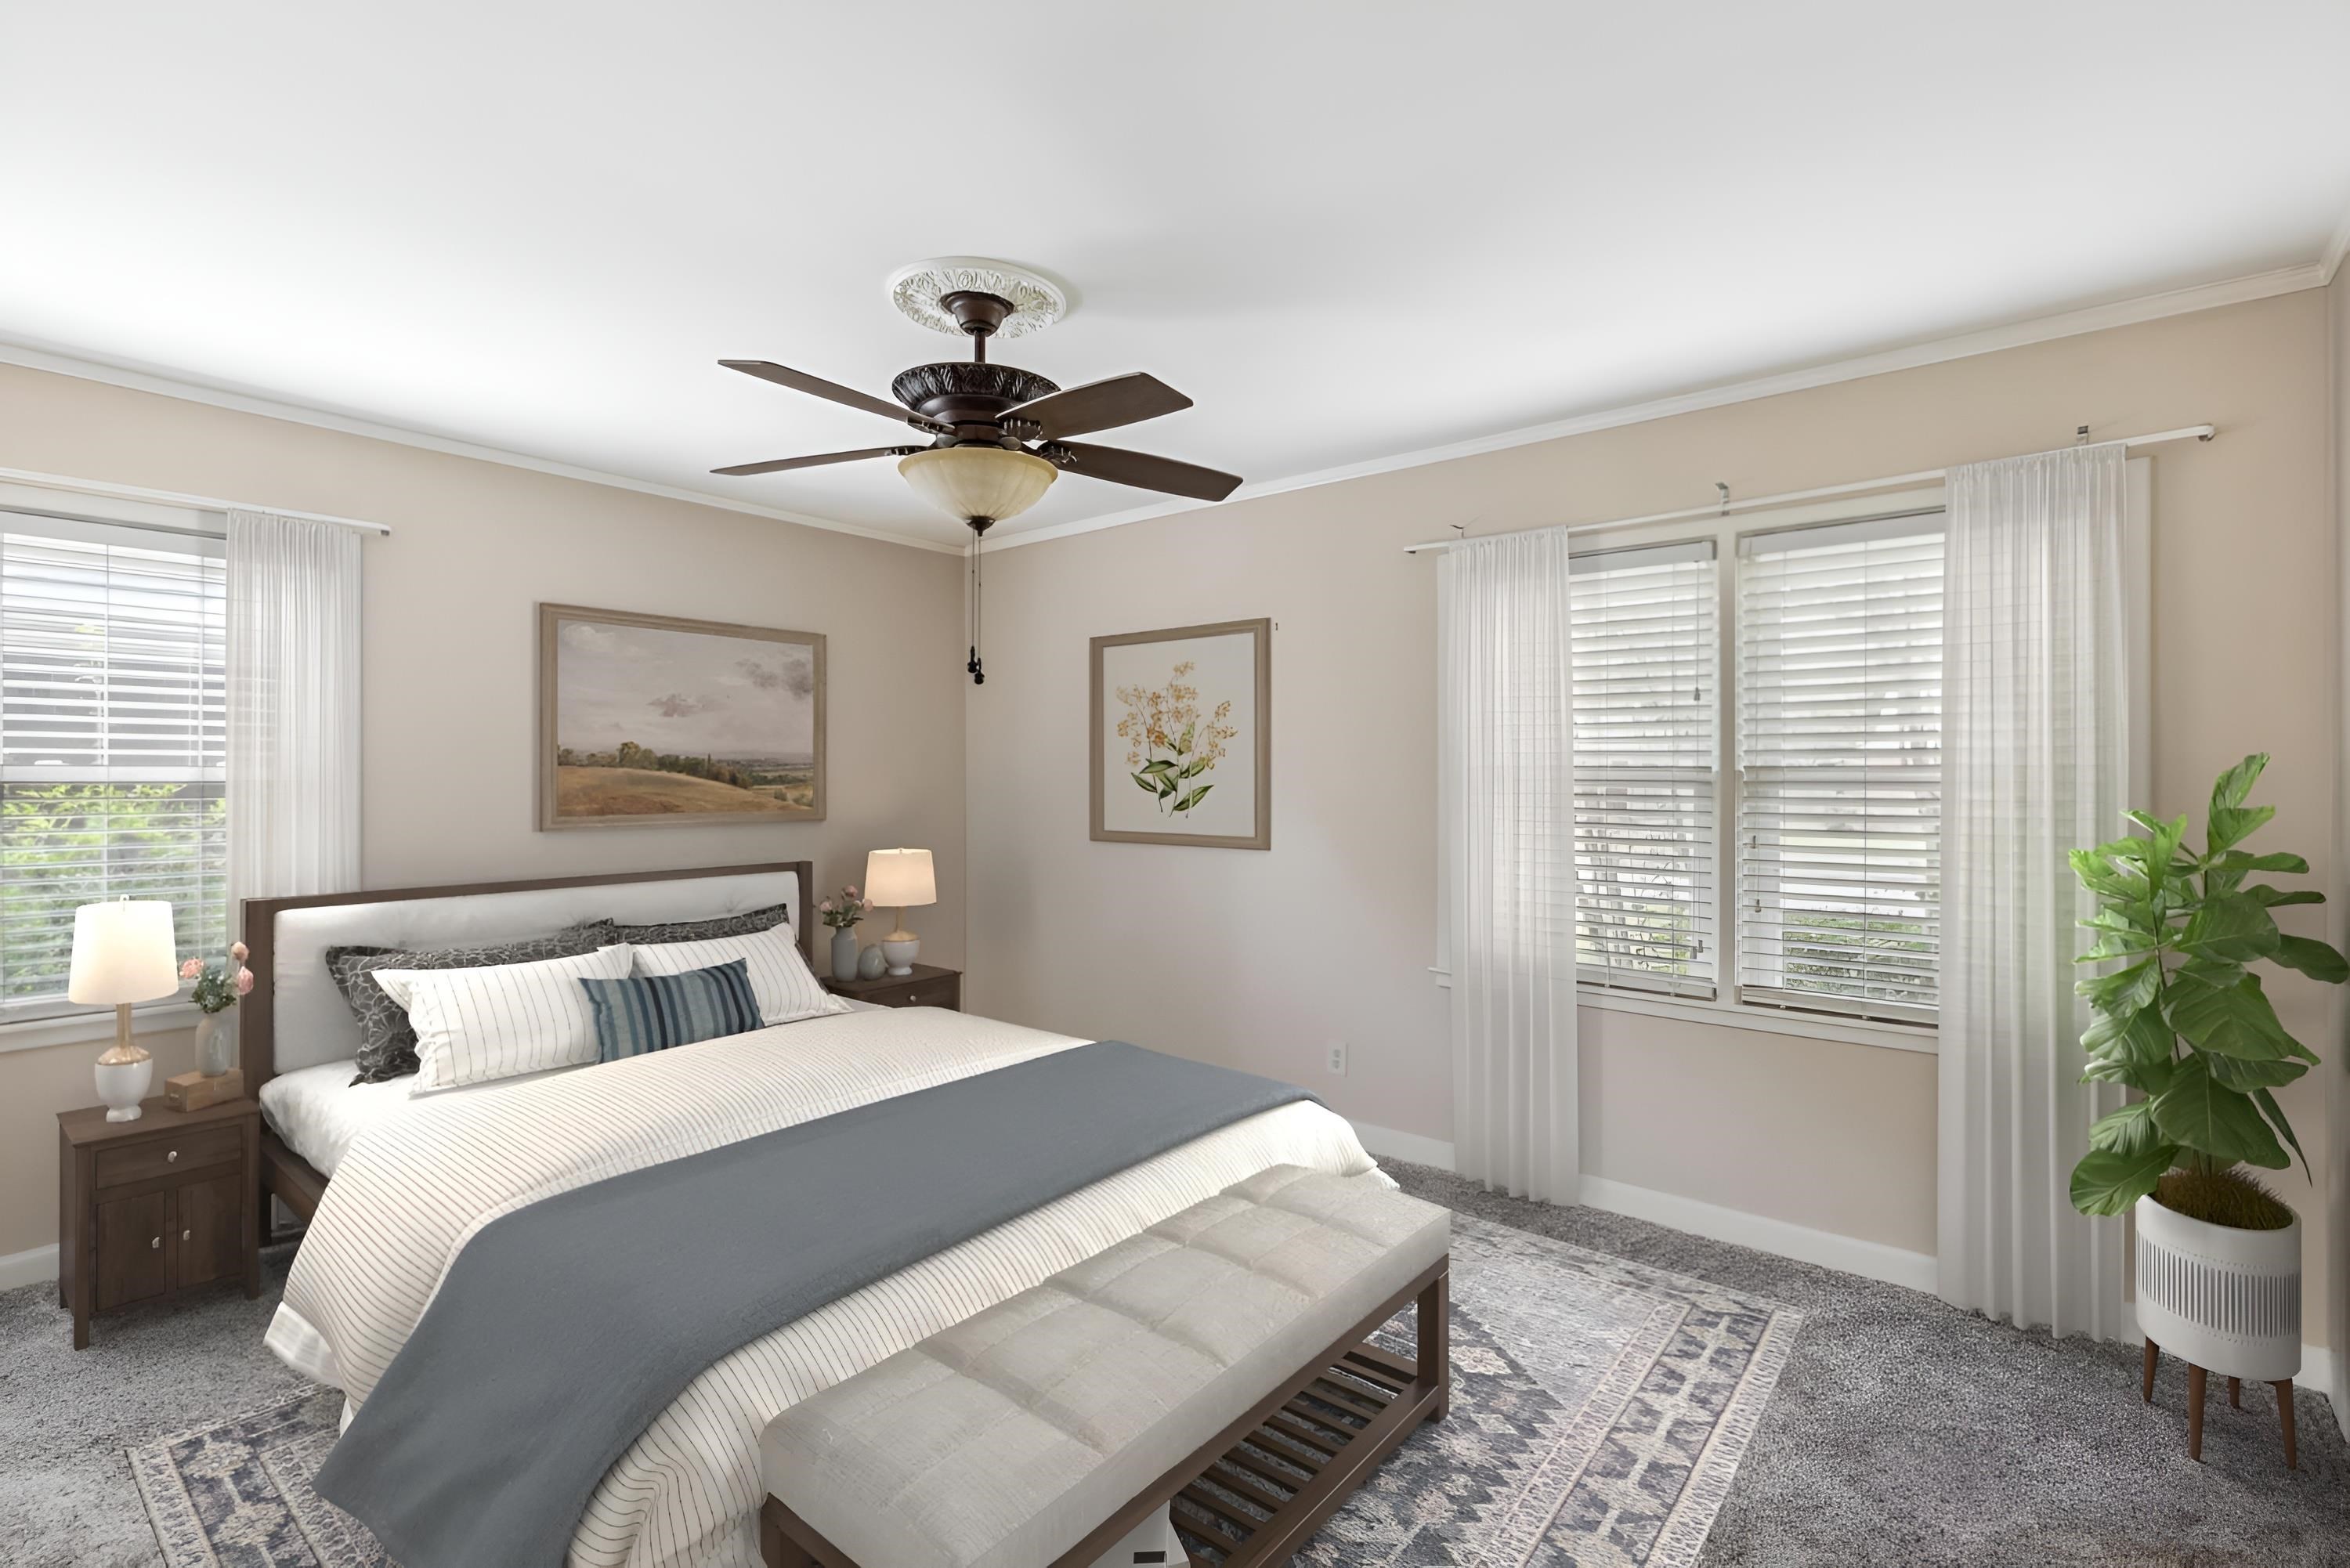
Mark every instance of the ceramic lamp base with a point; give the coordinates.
(901, 949)
(123, 1087)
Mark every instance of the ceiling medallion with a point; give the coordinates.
(920, 289)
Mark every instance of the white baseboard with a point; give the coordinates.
(1870, 1260)
(29, 1267)
(1386, 1143)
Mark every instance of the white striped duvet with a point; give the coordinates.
(407, 1197)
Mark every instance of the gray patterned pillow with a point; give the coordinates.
(386, 1040)
(742, 925)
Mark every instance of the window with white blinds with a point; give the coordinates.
(1839, 752)
(112, 740)
(1647, 679)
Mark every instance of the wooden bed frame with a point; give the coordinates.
(286, 1175)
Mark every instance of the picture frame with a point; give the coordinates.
(1181, 736)
(654, 721)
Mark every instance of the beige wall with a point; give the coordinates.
(2337, 1069)
(450, 668)
(1261, 959)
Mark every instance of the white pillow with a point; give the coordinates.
(499, 1020)
(781, 979)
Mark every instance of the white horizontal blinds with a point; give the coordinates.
(112, 740)
(1840, 755)
(1647, 677)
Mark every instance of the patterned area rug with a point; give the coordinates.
(1599, 1411)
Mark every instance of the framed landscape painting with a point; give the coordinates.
(1182, 736)
(651, 720)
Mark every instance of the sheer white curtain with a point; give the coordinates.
(1505, 801)
(293, 707)
(2036, 744)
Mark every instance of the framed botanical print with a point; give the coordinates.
(651, 721)
(1182, 736)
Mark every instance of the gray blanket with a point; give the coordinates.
(564, 1328)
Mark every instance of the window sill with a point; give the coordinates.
(81, 1028)
(1743, 1015)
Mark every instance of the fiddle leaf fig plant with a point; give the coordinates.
(2184, 1020)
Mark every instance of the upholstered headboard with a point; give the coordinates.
(295, 1017)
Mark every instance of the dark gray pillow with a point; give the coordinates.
(742, 925)
(386, 1040)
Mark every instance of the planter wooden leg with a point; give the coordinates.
(2284, 1414)
(2195, 1414)
(2235, 1393)
(2152, 1356)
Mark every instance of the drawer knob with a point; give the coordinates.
(186, 1235)
(153, 1242)
(170, 1155)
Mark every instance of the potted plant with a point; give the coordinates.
(218, 987)
(2186, 1024)
(841, 912)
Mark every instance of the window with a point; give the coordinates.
(112, 740)
(1839, 754)
(1647, 672)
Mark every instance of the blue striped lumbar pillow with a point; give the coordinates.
(654, 1012)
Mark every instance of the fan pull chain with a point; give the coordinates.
(978, 671)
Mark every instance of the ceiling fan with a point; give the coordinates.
(999, 435)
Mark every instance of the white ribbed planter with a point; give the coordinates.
(2225, 1300)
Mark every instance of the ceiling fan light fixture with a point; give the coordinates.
(972, 483)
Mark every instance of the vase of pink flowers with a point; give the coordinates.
(218, 987)
(841, 912)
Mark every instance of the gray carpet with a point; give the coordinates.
(1900, 1433)
(1905, 1433)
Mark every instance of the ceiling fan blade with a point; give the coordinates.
(781, 464)
(1101, 406)
(1145, 471)
(801, 381)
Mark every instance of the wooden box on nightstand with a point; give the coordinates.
(928, 986)
(151, 1207)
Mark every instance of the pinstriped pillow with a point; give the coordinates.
(780, 977)
(656, 1011)
(476, 1024)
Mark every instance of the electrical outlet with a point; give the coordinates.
(1339, 1057)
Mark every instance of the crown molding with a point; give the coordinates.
(33, 358)
(2336, 246)
(1934, 351)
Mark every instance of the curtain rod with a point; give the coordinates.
(1828, 492)
(176, 498)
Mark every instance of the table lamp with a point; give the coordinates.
(895, 879)
(123, 953)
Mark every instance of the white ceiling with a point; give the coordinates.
(1348, 231)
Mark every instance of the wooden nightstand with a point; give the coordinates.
(928, 986)
(151, 1207)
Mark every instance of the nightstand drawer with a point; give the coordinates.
(946, 993)
(189, 1150)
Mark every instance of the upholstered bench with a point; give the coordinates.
(1219, 1361)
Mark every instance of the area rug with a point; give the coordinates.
(1599, 1411)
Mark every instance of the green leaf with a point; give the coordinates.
(2273, 897)
(2163, 839)
(2118, 944)
(2149, 1078)
(2129, 1130)
(2098, 874)
(1194, 798)
(2238, 860)
(2125, 990)
(2231, 788)
(2229, 927)
(2211, 1118)
(2108, 1182)
(1161, 765)
(2314, 958)
(2229, 1021)
(2138, 1039)
(1183, 744)
(2117, 918)
(1193, 768)
(1150, 784)
(2234, 825)
(2235, 1072)
(1166, 786)
(2267, 1102)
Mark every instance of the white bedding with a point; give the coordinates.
(413, 1187)
(317, 1111)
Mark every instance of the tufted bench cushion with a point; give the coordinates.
(1004, 1442)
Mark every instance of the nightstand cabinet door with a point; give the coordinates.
(212, 1229)
(135, 1248)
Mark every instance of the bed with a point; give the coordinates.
(398, 1187)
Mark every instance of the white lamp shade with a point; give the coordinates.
(897, 878)
(123, 951)
(978, 481)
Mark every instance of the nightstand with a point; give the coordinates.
(928, 986)
(151, 1207)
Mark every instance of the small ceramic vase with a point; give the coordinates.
(216, 1044)
(870, 963)
(843, 952)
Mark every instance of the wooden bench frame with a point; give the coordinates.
(1396, 1394)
